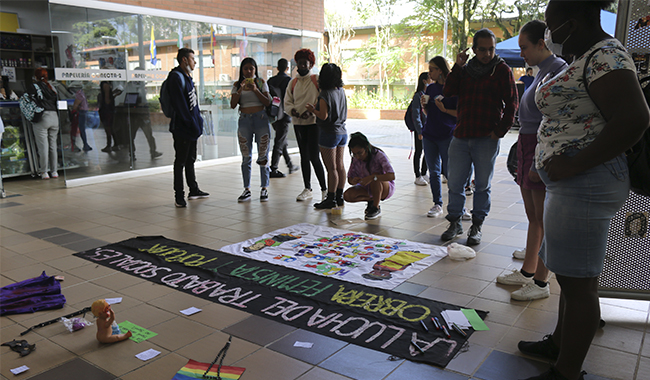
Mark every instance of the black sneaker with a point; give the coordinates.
(367, 207)
(327, 203)
(264, 195)
(340, 202)
(180, 201)
(455, 229)
(474, 235)
(277, 174)
(544, 348)
(197, 194)
(373, 212)
(293, 168)
(245, 196)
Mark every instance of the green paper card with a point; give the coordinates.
(476, 321)
(140, 334)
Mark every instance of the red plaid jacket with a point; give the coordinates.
(484, 105)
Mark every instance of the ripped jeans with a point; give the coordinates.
(257, 125)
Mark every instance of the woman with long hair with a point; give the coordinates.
(438, 129)
(415, 124)
(533, 274)
(371, 175)
(46, 130)
(251, 94)
(592, 112)
(331, 112)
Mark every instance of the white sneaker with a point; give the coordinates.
(466, 215)
(426, 178)
(420, 181)
(45, 175)
(306, 194)
(54, 174)
(519, 254)
(531, 291)
(323, 195)
(435, 211)
(514, 278)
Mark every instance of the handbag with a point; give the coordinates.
(31, 106)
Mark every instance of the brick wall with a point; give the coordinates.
(292, 14)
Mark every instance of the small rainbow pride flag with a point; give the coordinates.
(195, 370)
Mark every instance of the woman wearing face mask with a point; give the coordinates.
(303, 90)
(533, 274)
(251, 93)
(586, 128)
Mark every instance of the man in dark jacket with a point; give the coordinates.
(487, 101)
(186, 126)
(281, 126)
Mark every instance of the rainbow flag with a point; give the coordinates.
(195, 370)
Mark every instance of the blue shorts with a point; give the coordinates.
(577, 212)
(331, 140)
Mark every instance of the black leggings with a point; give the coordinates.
(307, 136)
(416, 158)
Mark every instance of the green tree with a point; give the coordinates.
(339, 30)
(510, 17)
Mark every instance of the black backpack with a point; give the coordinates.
(166, 98)
(638, 157)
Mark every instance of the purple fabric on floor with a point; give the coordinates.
(35, 294)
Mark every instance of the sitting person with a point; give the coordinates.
(107, 330)
(371, 175)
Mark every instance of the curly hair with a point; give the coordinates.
(305, 54)
(329, 77)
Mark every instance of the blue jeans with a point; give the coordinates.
(482, 152)
(434, 153)
(254, 125)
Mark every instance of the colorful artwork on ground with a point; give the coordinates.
(361, 258)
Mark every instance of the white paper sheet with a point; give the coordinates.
(457, 317)
(303, 344)
(19, 370)
(113, 301)
(146, 355)
(191, 310)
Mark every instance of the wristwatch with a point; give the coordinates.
(375, 178)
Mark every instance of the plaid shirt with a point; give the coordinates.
(484, 105)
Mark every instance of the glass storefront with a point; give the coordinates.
(117, 62)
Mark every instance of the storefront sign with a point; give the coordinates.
(89, 74)
(140, 75)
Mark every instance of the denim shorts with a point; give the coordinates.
(332, 140)
(577, 212)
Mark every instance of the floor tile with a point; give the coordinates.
(270, 365)
(321, 374)
(206, 349)
(410, 288)
(158, 368)
(323, 347)
(119, 358)
(502, 366)
(413, 370)
(74, 369)
(85, 245)
(177, 332)
(360, 363)
(48, 232)
(469, 358)
(36, 361)
(259, 330)
(67, 238)
(9, 204)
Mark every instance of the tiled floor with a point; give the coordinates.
(42, 225)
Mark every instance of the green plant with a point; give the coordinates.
(363, 99)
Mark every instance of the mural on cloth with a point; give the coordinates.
(350, 256)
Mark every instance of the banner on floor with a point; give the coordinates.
(379, 319)
(371, 260)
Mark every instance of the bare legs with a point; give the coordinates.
(578, 320)
(534, 205)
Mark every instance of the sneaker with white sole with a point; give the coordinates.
(466, 215)
(514, 278)
(245, 196)
(435, 211)
(531, 291)
(306, 194)
(519, 254)
(264, 195)
(54, 174)
(420, 181)
(44, 175)
(323, 195)
(468, 191)
(426, 178)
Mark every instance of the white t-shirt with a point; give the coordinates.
(570, 119)
(248, 98)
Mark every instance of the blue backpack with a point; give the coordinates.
(166, 98)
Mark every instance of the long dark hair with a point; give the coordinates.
(421, 86)
(246, 61)
(442, 64)
(329, 77)
(358, 139)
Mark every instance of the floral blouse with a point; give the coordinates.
(570, 119)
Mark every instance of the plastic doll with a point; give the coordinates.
(107, 330)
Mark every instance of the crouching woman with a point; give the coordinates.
(371, 175)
